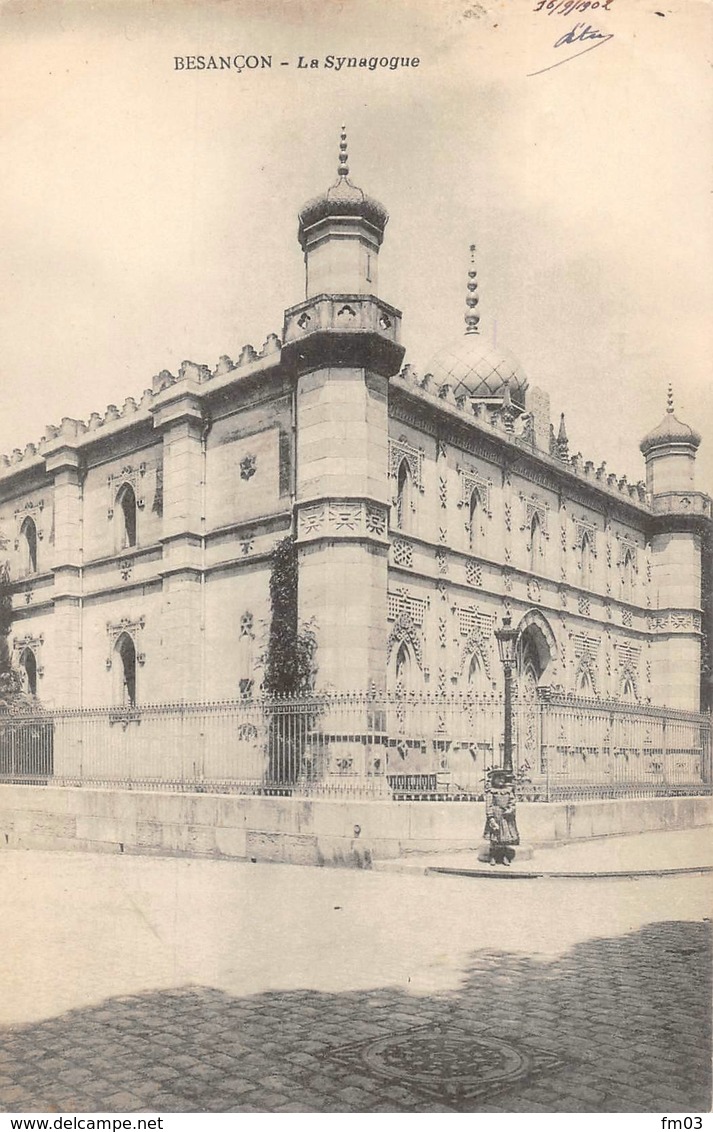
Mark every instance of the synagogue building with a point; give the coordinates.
(425, 506)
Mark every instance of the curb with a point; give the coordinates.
(509, 874)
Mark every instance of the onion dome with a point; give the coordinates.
(472, 365)
(671, 431)
(343, 199)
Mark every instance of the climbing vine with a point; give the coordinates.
(290, 668)
(13, 697)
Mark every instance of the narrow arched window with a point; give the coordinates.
(584, 683)
(627, 586)
(475, 673)
(474, 518)
(403, 668)
(404, 496)
(535, 542)
(628, 692)
(125, 656)
(28, 546)
(28, 671)
(126, 516)
(585, 560)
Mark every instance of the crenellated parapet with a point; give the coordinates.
(71, 432)
(517, 428)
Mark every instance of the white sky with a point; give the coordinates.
(149, 215)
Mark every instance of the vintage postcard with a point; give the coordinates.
(356, 559)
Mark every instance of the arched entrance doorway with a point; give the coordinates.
(536, 652)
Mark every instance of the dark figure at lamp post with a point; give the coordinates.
(500, 820)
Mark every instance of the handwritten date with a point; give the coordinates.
(562, 7)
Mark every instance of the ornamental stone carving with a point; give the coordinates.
(674, 621)
(403, 604)
(473, 572)
(134, 627)
(533, 590)
(403, 553)
(470, 481)
(405, 630)
(400, 450)
(341, 518)
(248, 466)
(581, 528)
(476, 644)
(535, 506)
(586, 646)
(443, 491)
(31, 509)
(31, 641)
(344, 517)
(131, 474)
(375, 520)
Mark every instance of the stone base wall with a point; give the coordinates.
(304, 831)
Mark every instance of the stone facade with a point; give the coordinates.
(424, 509)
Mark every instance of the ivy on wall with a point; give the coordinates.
(13, 697)
(5, 619)
(290, 667)
(290, 670)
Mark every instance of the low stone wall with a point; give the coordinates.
(305, 831)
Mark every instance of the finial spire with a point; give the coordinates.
(472, 318)
(562, 439)
(669, 399)
(343, 167)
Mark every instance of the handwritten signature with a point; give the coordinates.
(575, 36)
(580, 33)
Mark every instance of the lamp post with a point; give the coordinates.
(506, 637)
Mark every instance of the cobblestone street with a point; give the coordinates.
(178, 985)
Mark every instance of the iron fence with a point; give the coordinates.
(409, 746)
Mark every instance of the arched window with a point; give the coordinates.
(404, 668)
(535, 543)
(476, 673)
(125, 666)
(28, 546)
(28, 671)
(585, 687)
(628, 691)
(585, 560)
(125, 511)
(474, 518)
(404, 496)
(627, 584)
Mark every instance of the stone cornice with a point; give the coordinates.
(134, 553)
(270, 520)
(411, 405)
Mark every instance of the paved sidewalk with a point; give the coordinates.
(642, 854)
(157, 984)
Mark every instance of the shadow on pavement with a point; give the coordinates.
(614, 1025)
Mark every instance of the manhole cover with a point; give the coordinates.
(447, 1062)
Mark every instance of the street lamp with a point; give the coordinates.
(506, 637)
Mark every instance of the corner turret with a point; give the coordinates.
(670, 454)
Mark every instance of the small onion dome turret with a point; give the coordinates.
(670, 433)
(474, 367)
(343, 199)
